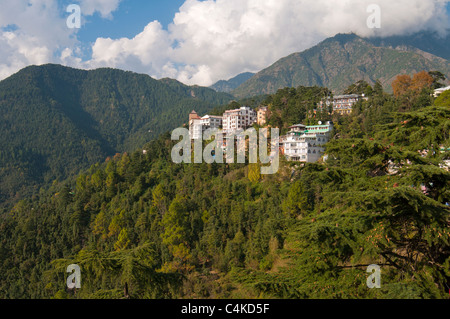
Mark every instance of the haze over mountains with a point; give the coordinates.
(344, 59)
(57, 120)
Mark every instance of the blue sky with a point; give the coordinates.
(129, 19)
(209, 40)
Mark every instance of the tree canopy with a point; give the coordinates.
(140, 226)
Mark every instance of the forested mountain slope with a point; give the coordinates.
(55, 120)
(223, 231)
(338, 62)
(231, 84)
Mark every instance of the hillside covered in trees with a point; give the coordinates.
(164, 230)
(56, 121)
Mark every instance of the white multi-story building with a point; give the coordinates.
(306, 143)
(197, 124)
(211, 121)
(343, 104)
(234, 120)
(196, 129)
(231, 121)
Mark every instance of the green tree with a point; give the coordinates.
(437, 77)
(254, 173)
(298, 201)
(443, 99)
(123, 241)
(360, 87)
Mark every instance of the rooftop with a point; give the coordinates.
(232, 111)
(212, 116)
(442, 89)
(237, 110)
(347, 96)
(297, 125)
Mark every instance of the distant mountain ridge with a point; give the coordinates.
(233, 83)
(56, 120)
(426, 41)
(338, 62)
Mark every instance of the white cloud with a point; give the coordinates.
(35, 32)
(208, 40)
(147, 52)
(104, 7)
(30, 33)
(212, 40)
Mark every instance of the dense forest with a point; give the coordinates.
(56, 121)
(140, 226)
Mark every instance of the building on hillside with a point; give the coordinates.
(231, 121)
(195, 126)
(196, 129)
(198, 125)
(439, 91)
(234, 120)
(211, 121)
(297, 128)
(262, 115)
(305, 143)
(193, 116)
(342, 104)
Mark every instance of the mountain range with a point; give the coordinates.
(426, 41)
(231, 84)
(55, 120)
(344, 59)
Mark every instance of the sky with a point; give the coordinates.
(194, 41)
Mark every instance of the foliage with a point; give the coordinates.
(57, 121)
(404, 83)
(140, 226)
(291, 106)
(360, 87)
(231, 84)
(443, 99)
(437, 76)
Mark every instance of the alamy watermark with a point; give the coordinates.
(374, 19)
(222, 148)
(74, 19)
(374, 280)
(73, 280)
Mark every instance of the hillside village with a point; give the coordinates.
(302, 143)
